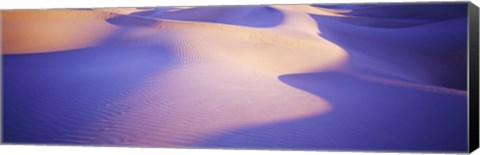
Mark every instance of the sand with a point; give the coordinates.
(280, 76)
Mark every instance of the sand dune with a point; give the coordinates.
(367, 115)
(197, 76)
(261, 55)
(25, 30)
(429, 58)
(253, 16)
(194, 50)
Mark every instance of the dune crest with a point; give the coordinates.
(181, 110)
(36, 31)
(175, 104)
(277, 76)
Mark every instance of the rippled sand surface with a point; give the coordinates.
(262, 77)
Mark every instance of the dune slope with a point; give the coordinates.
(197, 79)
(279, 76)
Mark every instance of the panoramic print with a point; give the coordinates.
(382, 77)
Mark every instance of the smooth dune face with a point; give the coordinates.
(279, 76)
(35, 31)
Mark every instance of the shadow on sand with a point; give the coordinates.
(251, 16)
(369, 115)
(49, 95)
(365, 116)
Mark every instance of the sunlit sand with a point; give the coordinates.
(233, 76)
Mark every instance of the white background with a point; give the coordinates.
(80, 150)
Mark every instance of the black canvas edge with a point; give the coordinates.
(473, 108)
(1, 79)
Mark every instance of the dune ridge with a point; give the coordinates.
(251, 70)
(194, 77)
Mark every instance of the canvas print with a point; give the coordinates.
(381, 77)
